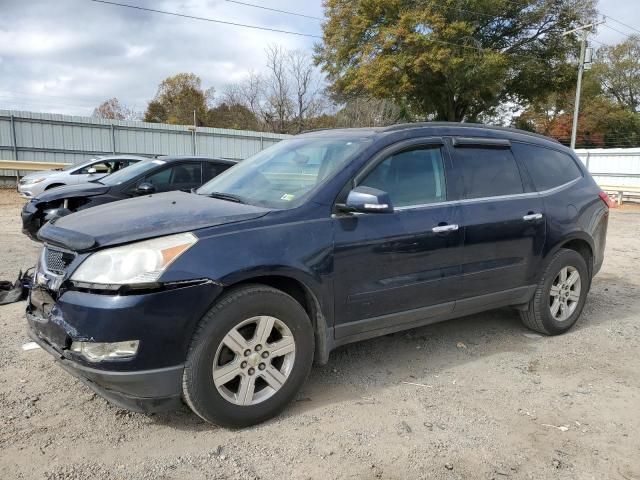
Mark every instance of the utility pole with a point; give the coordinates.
(581, 68)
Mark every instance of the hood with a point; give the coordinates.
(42, 174)
(72, 191)
(144, 217)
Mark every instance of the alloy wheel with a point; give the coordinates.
(564, 294)
(254, 360)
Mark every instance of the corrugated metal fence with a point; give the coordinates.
(613, 166)
(62, 138)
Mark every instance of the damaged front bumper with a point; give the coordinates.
(163, 322)
(140, 391)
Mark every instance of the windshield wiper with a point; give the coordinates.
(226, 196)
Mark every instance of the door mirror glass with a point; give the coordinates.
(145, 188)
(367, 200)
(91, 170)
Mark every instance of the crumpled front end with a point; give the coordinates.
(63, 319)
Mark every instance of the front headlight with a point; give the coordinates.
(140, 262)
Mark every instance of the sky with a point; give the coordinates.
(67, 56)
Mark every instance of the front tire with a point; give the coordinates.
(560, 295)
(248, 358)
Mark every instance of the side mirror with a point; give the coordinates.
(91, 171)
(145, 188)
(367, 200)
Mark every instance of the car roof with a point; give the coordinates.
(439, 128)
(119, 157)
(175, 158)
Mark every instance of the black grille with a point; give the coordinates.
(57, 261)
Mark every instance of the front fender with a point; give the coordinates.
(302, 251)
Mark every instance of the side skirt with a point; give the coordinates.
(395, 322)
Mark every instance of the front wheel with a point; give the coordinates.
(560, 295)
(249, 357)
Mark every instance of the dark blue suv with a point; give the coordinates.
(225, 296)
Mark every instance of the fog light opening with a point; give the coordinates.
(99, 351)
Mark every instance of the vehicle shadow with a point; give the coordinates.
(356, 372)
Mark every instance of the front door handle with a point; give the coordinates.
(444, 228)
(532, 216)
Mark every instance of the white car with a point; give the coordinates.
(37, 182)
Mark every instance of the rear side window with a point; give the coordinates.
(488, 172)
(548, 168)
(412, 177)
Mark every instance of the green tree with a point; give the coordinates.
(446, 59)
(156, 113)
(177, 98)
(618, 69)
(233, 116)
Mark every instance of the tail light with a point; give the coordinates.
(607, 200)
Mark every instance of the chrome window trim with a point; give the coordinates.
(515, 196)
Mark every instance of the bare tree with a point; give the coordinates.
(112, 109)
(369, 112)
(285, 96)
(248, 93)
(305, 86)
(278, 103)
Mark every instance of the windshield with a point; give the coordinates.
(284, 174)
(130, 172)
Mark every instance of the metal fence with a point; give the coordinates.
(613, 166)
(63, 138)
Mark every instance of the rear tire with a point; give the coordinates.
(560, 295)
(248, 358)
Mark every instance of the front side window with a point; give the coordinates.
(129, 173)
(100, 167)
(548, 168)
(411, 177)
(177, 177)
(211, 170)
(284, 175)
(488, 172)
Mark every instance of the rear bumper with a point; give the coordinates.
(140, 391)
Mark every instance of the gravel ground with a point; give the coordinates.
(479, 397)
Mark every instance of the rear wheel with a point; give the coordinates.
(560, 295)
(249, 357)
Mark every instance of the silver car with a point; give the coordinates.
(37, 182)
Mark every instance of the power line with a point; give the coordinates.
(618, 31)
(205, 19)
(622, 23)
(274, 10)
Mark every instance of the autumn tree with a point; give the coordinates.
(603, 122)
(609, 105)
(447, 60)
(112, 109)
(177, 98)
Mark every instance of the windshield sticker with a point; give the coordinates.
(287, 197)
(158, 162)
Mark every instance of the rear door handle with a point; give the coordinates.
(532, 216)
(444, 228)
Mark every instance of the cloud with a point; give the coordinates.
(68, 56)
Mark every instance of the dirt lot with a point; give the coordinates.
(479, 397)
